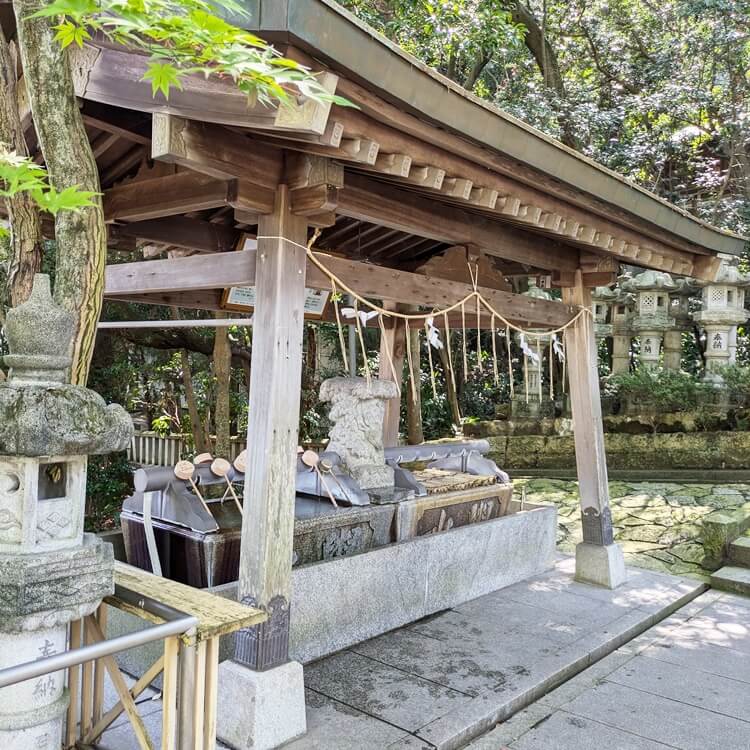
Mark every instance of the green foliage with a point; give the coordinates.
(656, 91)
(109, 481)
(19, 174)
(737, 381)
(660, 390)
(184, 37)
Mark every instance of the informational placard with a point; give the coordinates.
(242, 298)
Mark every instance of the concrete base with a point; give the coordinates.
(602, 566)
(260, 710)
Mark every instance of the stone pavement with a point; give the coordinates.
(684, 684)
(444, 680)
(658, 524)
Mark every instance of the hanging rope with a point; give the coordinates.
(410, 360)
(388, 355)
(418, 316)
(360, 335)
(551, 370)
(450, 352)
(340, 327)
(429, 356)
(463, 342)
(540, 364)
(338, 284)
(510, 362)
(494, 351)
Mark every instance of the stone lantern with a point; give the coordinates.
(51, 572)
(602, 299)
(723, 310)
(652, 312)
(529, 404)
(679, 309)
(622, 312)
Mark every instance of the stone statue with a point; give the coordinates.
(357, 413)
(51, 573)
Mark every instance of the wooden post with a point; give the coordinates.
(598, 559)
(392, 350)
(276, 373)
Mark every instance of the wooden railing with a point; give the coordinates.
(150, 448)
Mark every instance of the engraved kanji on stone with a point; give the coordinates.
(47, 649)
(44, 687)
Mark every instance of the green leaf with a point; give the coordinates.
(68, 33)
(162, 76)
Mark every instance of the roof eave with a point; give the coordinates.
(326, 30)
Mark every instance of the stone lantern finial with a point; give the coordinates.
(39, 334)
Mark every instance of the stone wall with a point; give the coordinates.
(697, 450)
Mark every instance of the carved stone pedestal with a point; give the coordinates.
(357, 413)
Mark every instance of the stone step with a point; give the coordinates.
(739, 551)
(732, 578)
(720, 529)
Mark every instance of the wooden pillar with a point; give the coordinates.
(392, 349)
(598, 559)
(272, 434)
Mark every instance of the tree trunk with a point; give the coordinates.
(546, 58)
(81, 235)
(201, 443)
(450, 385)
(200, 438)
(414, 431)
(23, 214)
(223, 375)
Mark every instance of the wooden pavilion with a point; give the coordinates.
(419, 167)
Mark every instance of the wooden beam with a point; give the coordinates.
(193, 273)
(368, 200)
(203, 272)
(115, 77)
(314, 200)
(309, 170)
(165, 196)
(214, 150)
(208, 299)
(193, 234)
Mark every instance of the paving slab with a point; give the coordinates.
(461, 666)
(660, 719)
(332, 724)
(685, 684)
(564, 731)
(398, 697)
(717, 660)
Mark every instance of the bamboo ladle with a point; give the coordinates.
(221, 468)
(184, 470)
(311, 459)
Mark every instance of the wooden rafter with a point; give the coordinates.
(368, 200)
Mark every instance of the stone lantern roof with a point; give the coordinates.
(729, 275)
(536, 291)
(648, 281)
(41, 414)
